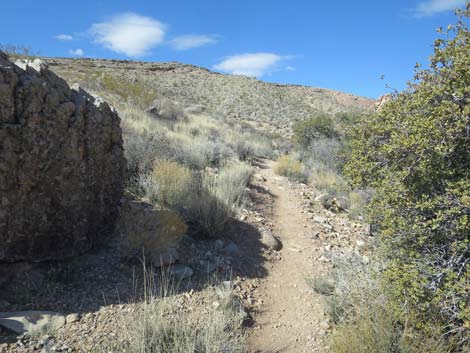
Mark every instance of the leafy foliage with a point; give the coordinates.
(415, 152)
(320, 126)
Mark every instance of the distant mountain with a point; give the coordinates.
(234, 97)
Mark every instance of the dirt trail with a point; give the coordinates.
(292, 317)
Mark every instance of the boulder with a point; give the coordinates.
(32, 322)
(152, 233)
(332, 203)
(61, 165)
(270, 241)
(166, 109)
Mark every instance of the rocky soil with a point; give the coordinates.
(276, 244)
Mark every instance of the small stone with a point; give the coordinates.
(72, 318)
(360, 243)
(270, 241)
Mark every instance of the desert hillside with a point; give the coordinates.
(231, 96)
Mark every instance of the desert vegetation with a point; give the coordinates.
(193, 164)
(378, 203)
(414, 154)
(159, 324)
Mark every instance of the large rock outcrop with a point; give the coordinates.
(61, 165)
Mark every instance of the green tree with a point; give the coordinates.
(320, 126)
(415, 152)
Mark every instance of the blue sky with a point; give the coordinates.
(342, 45)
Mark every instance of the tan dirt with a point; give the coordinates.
(292, 318)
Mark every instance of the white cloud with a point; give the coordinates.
(192, 41)
(129, 33)
(63, 37)
(76, 52)
(290, 68)
(432, 7)
(251, 64)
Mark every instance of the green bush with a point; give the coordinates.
(306, 131)
(415, 153)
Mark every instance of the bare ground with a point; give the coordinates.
(292, 318)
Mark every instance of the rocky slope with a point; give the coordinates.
(234, 97)
(61, 165)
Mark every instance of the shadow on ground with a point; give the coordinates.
(107, 275)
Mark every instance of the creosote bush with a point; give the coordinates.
(415, 153)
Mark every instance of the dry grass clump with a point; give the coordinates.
(160, 324)
(230, 185)
(291, 168)
(217, 198)
(328, 180)
(205, 201)
(357, 200)
(172, 181)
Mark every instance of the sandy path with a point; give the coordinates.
(292, 317)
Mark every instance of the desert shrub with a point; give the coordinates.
(244, 151)
(144, 142)
(322, 286)
(291, 168)
(372, 330)
(142, 149)
(215, 199)
(320, 126)
(323, 153)
(415, 153)
(231, 183)
(173, 182)
(365, 320)
(206, 213)
(358, 307)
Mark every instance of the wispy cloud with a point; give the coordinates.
(432, 7)
(76, 52)
(192, 41)
(129, 33)
(251, 64)
(63, 37)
